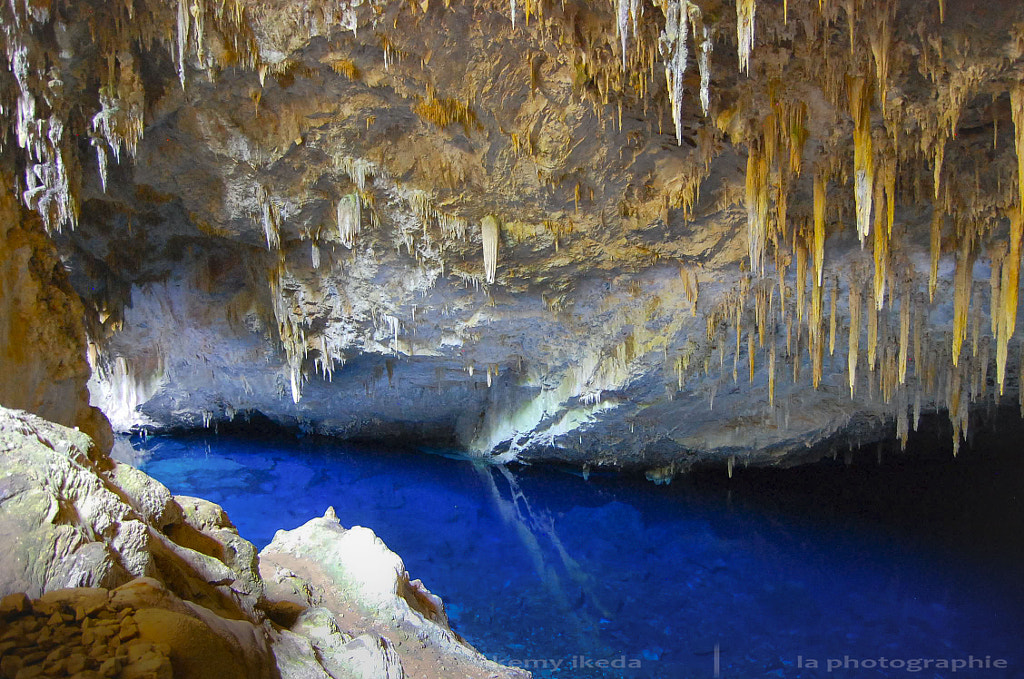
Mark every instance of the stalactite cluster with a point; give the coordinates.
(878, 125)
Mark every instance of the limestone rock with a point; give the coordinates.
(93, 587)
(147, 496)
(51, 499)
(42, 338)
(70, 524)
(349, 579)
(371, 657)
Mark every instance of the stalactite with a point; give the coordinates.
(771, 373)
(349, 216)
(819, 225)
(801, 279)
(674, 49)
(936, 252)
(691, 287)
(489, 232)
(833, 313)
(757, 207)
(1008, 294)
(751, 353)
(889, 183)
(745, 10)
(703, 57)
(918, 355)
(995, 278)
(816, 340)
(881, 248)
(795, 124)
(881, 43)
(761, 306)
(182, 34)
(904, 336)
(962, 296)
(621, 26)
(872, 336)
(854, 343)
(270, 218)
(1009, 287)
(860, 92)
(781, 264)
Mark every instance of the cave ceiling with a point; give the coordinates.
(630, 233)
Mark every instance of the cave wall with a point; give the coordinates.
(42, 333)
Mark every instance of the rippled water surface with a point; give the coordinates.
(907, 569)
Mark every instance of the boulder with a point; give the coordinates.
(351, 582)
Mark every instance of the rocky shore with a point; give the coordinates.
(106, 574)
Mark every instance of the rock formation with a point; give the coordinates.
(105, 574)
(641, 234)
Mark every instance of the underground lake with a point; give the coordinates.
(877, 563)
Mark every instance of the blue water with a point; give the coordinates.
(861, 572)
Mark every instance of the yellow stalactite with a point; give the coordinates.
(817, 336)
(904, 336)
(854, 343)
(881, 249)
(881, 42)
(1009, 288)
(780, 267)
(1008, 294)
(801, 278)
(889, 179)
(797, 136)
(781, 208)
(757, 207)
(1017, 110)
(936, 252)
(771, 374)
(961, 297)
(819, 225)
(770, 134)
(940, 155)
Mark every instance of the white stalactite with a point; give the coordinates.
(489, 231)
(349, 219)
(675, 51)
(745, 32)
(622, 26)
